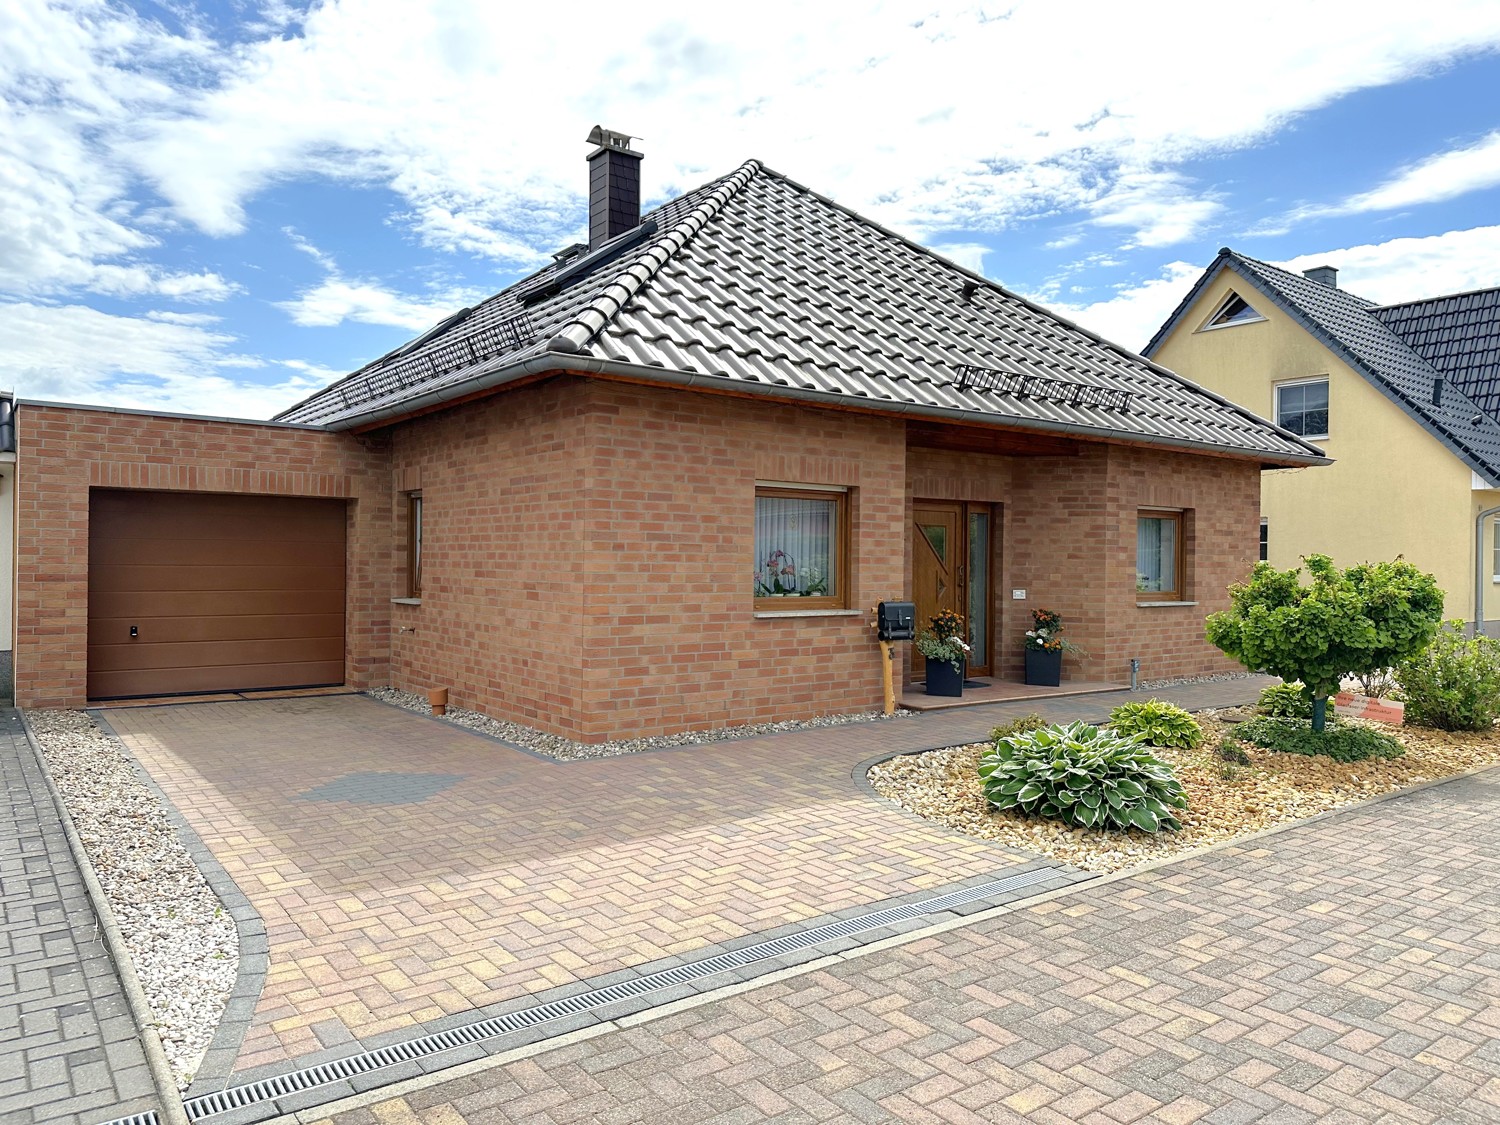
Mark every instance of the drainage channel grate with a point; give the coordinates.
(147, 1118)
(238, 1097)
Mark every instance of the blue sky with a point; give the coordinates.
(220, 207)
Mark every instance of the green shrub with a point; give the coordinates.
(1082, 775)
(1158, 723)
(1231, 752)
(1285, 701)
(1454, 683)
(1023, 725)
(1342, 741)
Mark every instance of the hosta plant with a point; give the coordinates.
(1083, 775)
(1285, 701)
(1158, 723)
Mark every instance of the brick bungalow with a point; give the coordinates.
(656, 486)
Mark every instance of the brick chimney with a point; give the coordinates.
(1323, 275)
(614, 185)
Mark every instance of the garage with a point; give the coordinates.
(209, 592)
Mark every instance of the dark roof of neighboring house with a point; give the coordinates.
(753, 282)
(1458, 336)
(1393, 347)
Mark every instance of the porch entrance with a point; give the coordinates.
(951, 556)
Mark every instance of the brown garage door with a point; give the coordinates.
(224, 592)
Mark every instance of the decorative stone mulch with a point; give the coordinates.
(182, 942)
(566, 750)
(1224, 801)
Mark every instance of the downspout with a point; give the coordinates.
(1479, 567)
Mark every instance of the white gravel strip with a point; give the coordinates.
(181, 939)
(566, 750)
(1215, 678)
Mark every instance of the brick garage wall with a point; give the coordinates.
(672, 639)
(63, 452)
(503, 481)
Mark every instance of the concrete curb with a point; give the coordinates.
(172, 1111)
(402, 1088)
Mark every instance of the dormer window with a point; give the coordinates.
(1234, 310)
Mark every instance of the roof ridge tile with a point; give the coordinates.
(589, 321)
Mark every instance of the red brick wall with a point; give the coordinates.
(1221, 502)
(503, 482)
(589, 547)
(1068, 538)
(63, 452)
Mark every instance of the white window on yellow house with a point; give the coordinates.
(1495, 563)
(1234, 310)
(1303, 407)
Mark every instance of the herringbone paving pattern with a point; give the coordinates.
(1347, 970)
(515, 874)
(68, 1046)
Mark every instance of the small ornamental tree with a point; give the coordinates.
(1346, 623)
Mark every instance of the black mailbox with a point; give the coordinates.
(896, 621)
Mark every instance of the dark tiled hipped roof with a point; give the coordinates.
(1394, 347)
(757, 283)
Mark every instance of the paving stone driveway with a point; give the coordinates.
(69, 1052)
(511, 875)
(1346, 970)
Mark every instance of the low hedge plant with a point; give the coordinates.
(1454, 683)
(1343, 741)
(1083, 775)
(1158, 723)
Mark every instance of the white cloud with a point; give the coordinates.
(53, 352)
(1160, 207)
(1131, 317)
(970, 255)
(947, 120)
(1407, 269)
(336, 300)
(1445, 175)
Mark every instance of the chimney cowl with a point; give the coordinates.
(1323, 275)
(614, 185)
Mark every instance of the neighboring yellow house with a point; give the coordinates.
(1405, 399)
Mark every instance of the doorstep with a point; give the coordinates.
(1000, 691)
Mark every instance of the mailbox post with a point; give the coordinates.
(894, 621)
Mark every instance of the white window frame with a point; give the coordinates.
(1276, 402)
(1265, 539)
(1208, 321)
(1495, 552)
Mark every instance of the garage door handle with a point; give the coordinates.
(134, 632)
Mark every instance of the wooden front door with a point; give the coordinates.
(951, 570)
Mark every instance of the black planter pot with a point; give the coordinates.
(944, 678)
(1043, 668)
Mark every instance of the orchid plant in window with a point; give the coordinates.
(779, 577)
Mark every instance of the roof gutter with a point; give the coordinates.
(558, 362)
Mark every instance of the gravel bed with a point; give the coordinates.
(1212, 678)
(1224, 801)
(183, 943)
(566, 750)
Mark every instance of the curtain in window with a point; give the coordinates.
(794, 539)
(1155, 555)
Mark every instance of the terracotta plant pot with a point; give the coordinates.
(438, 698)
